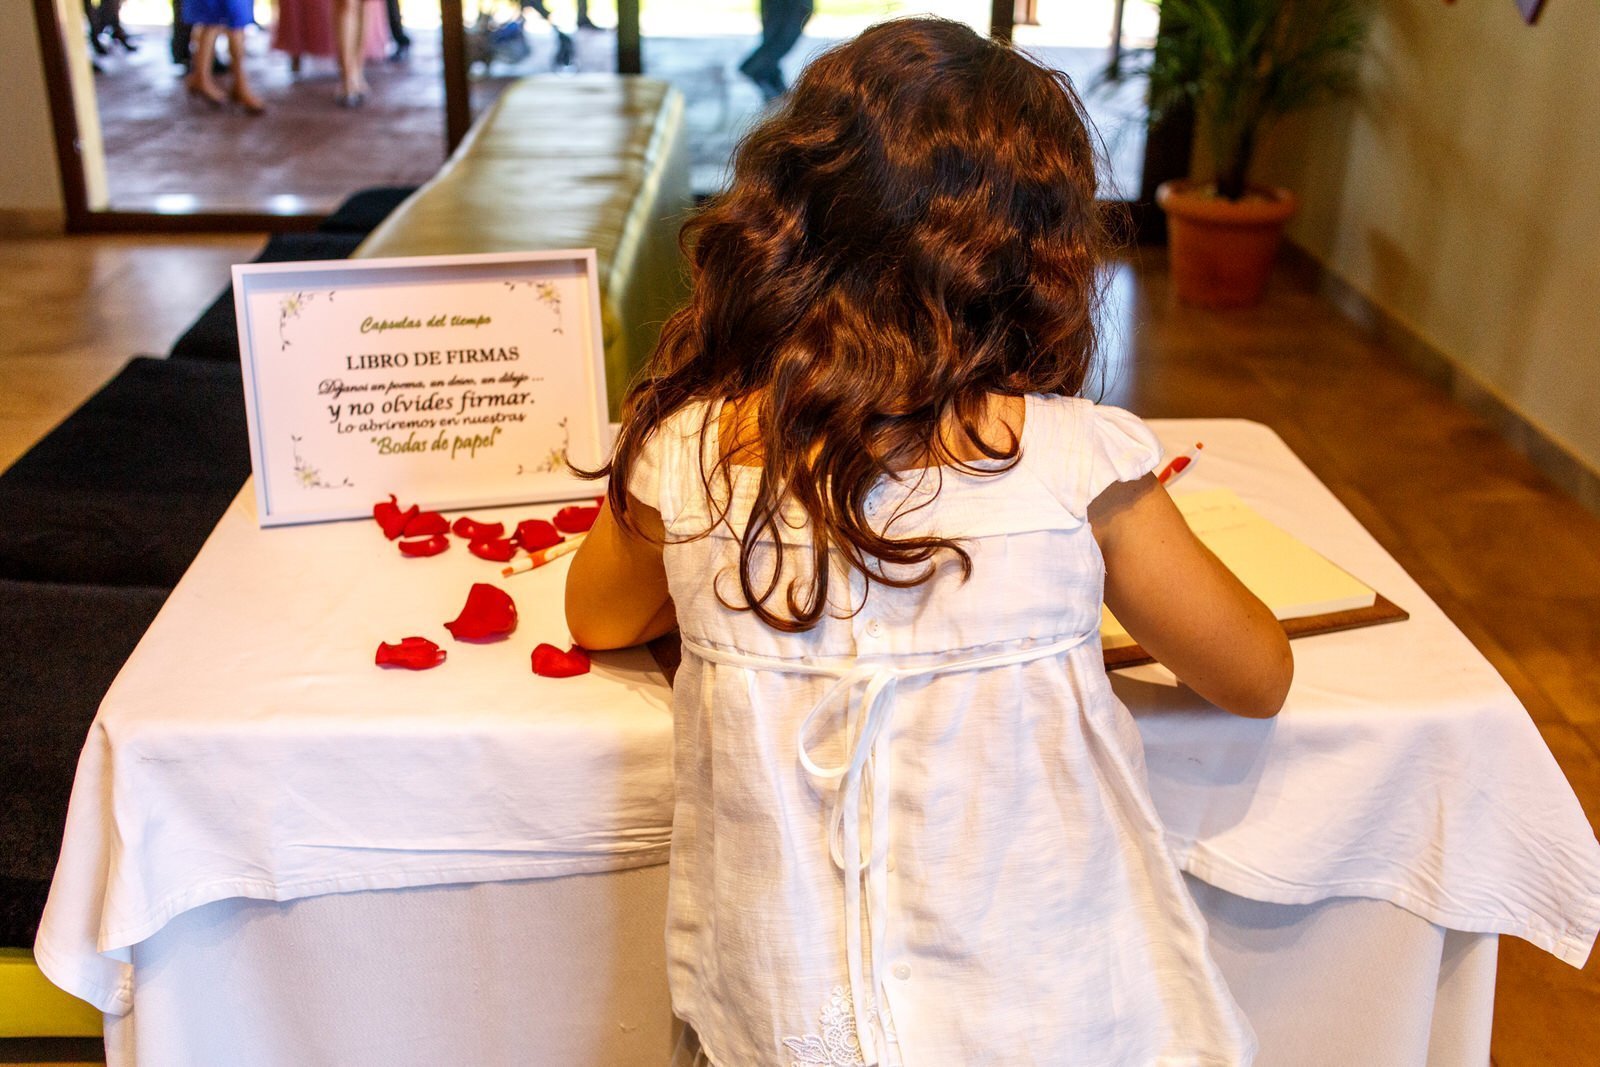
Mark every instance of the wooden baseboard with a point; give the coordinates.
(31, 222)
(1567, 470)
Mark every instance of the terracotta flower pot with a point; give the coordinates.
(1221, 251)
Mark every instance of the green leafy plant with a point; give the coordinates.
(1240, 64)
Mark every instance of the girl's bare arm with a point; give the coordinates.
(1184, 607)
(617, 586)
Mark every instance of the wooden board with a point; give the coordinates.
(1383, 610)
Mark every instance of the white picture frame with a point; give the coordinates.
(453, 382)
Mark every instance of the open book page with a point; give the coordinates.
(1290, 578)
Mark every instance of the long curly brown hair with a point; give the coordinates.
(912, 231)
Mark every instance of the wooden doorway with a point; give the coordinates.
(136, 152)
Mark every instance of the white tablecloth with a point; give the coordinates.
(572, 972)
(1402, 768)
(250, 749)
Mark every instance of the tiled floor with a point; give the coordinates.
(1511, 560)
(73, 310)
(167, 152)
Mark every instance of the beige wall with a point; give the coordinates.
(30, 181)
(1461, 193)
(30, 187)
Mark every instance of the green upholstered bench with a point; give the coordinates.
(562, 161)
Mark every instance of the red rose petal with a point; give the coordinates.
(550, 662)
(387, 512)
(412, 653)
(473, 530)
(576, 519)
(499, 550)
(489, 612)
(391, 518)
(534, 534)
(426, 524)
(427, 546)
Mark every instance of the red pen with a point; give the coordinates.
(1171, 471)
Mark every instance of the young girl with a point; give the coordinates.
(912, 825)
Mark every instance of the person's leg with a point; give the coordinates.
(199, 80)
(242, 93)
(350, 23)
(791, 23)
(111, 20)
(181, 32)
(397, 30)
(771, 14)
(91, 19)
(761, 65)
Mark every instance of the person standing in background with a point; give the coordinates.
(181, 36)
(566, 49)
(105, 20)
(584, 21)
(397, 32)
(211, 18)
(350, 32)
(782, 22)
(350, 27)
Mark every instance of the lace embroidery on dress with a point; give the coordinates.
(838, 1046)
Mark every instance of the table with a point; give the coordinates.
(365, 905)
(571, 971)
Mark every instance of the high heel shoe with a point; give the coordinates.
(355, 99)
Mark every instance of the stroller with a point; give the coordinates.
(491, 41)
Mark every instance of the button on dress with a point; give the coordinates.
(919, 833)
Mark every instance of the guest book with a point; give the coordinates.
(1306, 592)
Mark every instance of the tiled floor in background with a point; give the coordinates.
(1514, 562)
(73, 310)
(168, 152)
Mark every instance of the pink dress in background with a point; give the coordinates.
(305, 28)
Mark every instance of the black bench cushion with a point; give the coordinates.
(126, 489)
(214, 337)
(64, 645)
(362, 212)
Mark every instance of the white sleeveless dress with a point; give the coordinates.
(920, 833)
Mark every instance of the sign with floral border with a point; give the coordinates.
(457, 381)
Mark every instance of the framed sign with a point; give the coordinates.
(452, 381)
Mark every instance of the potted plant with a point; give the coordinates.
(1238, 65)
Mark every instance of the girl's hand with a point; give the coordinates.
(1184, 607)
(617, 585)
